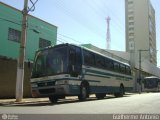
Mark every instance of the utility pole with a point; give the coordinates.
(20, 66)
(140, 82)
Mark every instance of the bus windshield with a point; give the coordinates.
(150, 83)
(50, 62)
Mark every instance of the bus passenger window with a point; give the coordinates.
(122, 68)
(109, 64)
(89, 58)
(100, 61)
(116, 67)
(128, 71)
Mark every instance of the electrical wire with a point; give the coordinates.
(78, 17)
(32, 8)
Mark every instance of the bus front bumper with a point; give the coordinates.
(55, 90)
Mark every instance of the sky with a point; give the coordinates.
(84, 21)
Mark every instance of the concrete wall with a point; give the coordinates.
(8, 71)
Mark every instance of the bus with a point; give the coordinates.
(71, 70)
(152, 84)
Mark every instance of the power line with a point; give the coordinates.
(32, 8)
(114, 17)
(69, 38)
(77, 17)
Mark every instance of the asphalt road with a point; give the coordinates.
(146, 103)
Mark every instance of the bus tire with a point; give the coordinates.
(83, 92)
(100, 95)
(53, 99)
(121, 92)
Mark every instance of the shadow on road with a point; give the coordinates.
(60, 102)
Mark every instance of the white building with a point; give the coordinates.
(140, 39)
(140, 29)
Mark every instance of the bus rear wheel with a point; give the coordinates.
(120, 93)
(83, 93)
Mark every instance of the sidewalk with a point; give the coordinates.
(4, 102)
(24, 101)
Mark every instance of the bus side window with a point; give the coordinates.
(100, 61)
(108, 64)
(89, 58)
(116, 67)
(122, 68)
(128, 70)
(75, 60)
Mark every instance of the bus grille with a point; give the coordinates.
(47, 91)
(43, 84)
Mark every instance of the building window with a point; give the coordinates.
(131, 29)
(130, 6)
(44, 43)
(131, 34)
(130, 2)
(131, 18)
(14, 35)
(131, 23)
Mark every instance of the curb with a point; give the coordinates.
(24, 101)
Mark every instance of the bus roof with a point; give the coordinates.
(67, 44)
(104, 55)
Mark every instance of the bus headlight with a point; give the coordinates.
(34, 85)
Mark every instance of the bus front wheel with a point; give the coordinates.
(83, 93)
(53, 99)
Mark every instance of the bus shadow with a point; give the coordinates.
(60, 102)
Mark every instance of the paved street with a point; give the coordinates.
(147, 103)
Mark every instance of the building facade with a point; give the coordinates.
(39, 34)
(141, 39)
(140, 30)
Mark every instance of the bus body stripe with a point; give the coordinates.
(104, 74)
